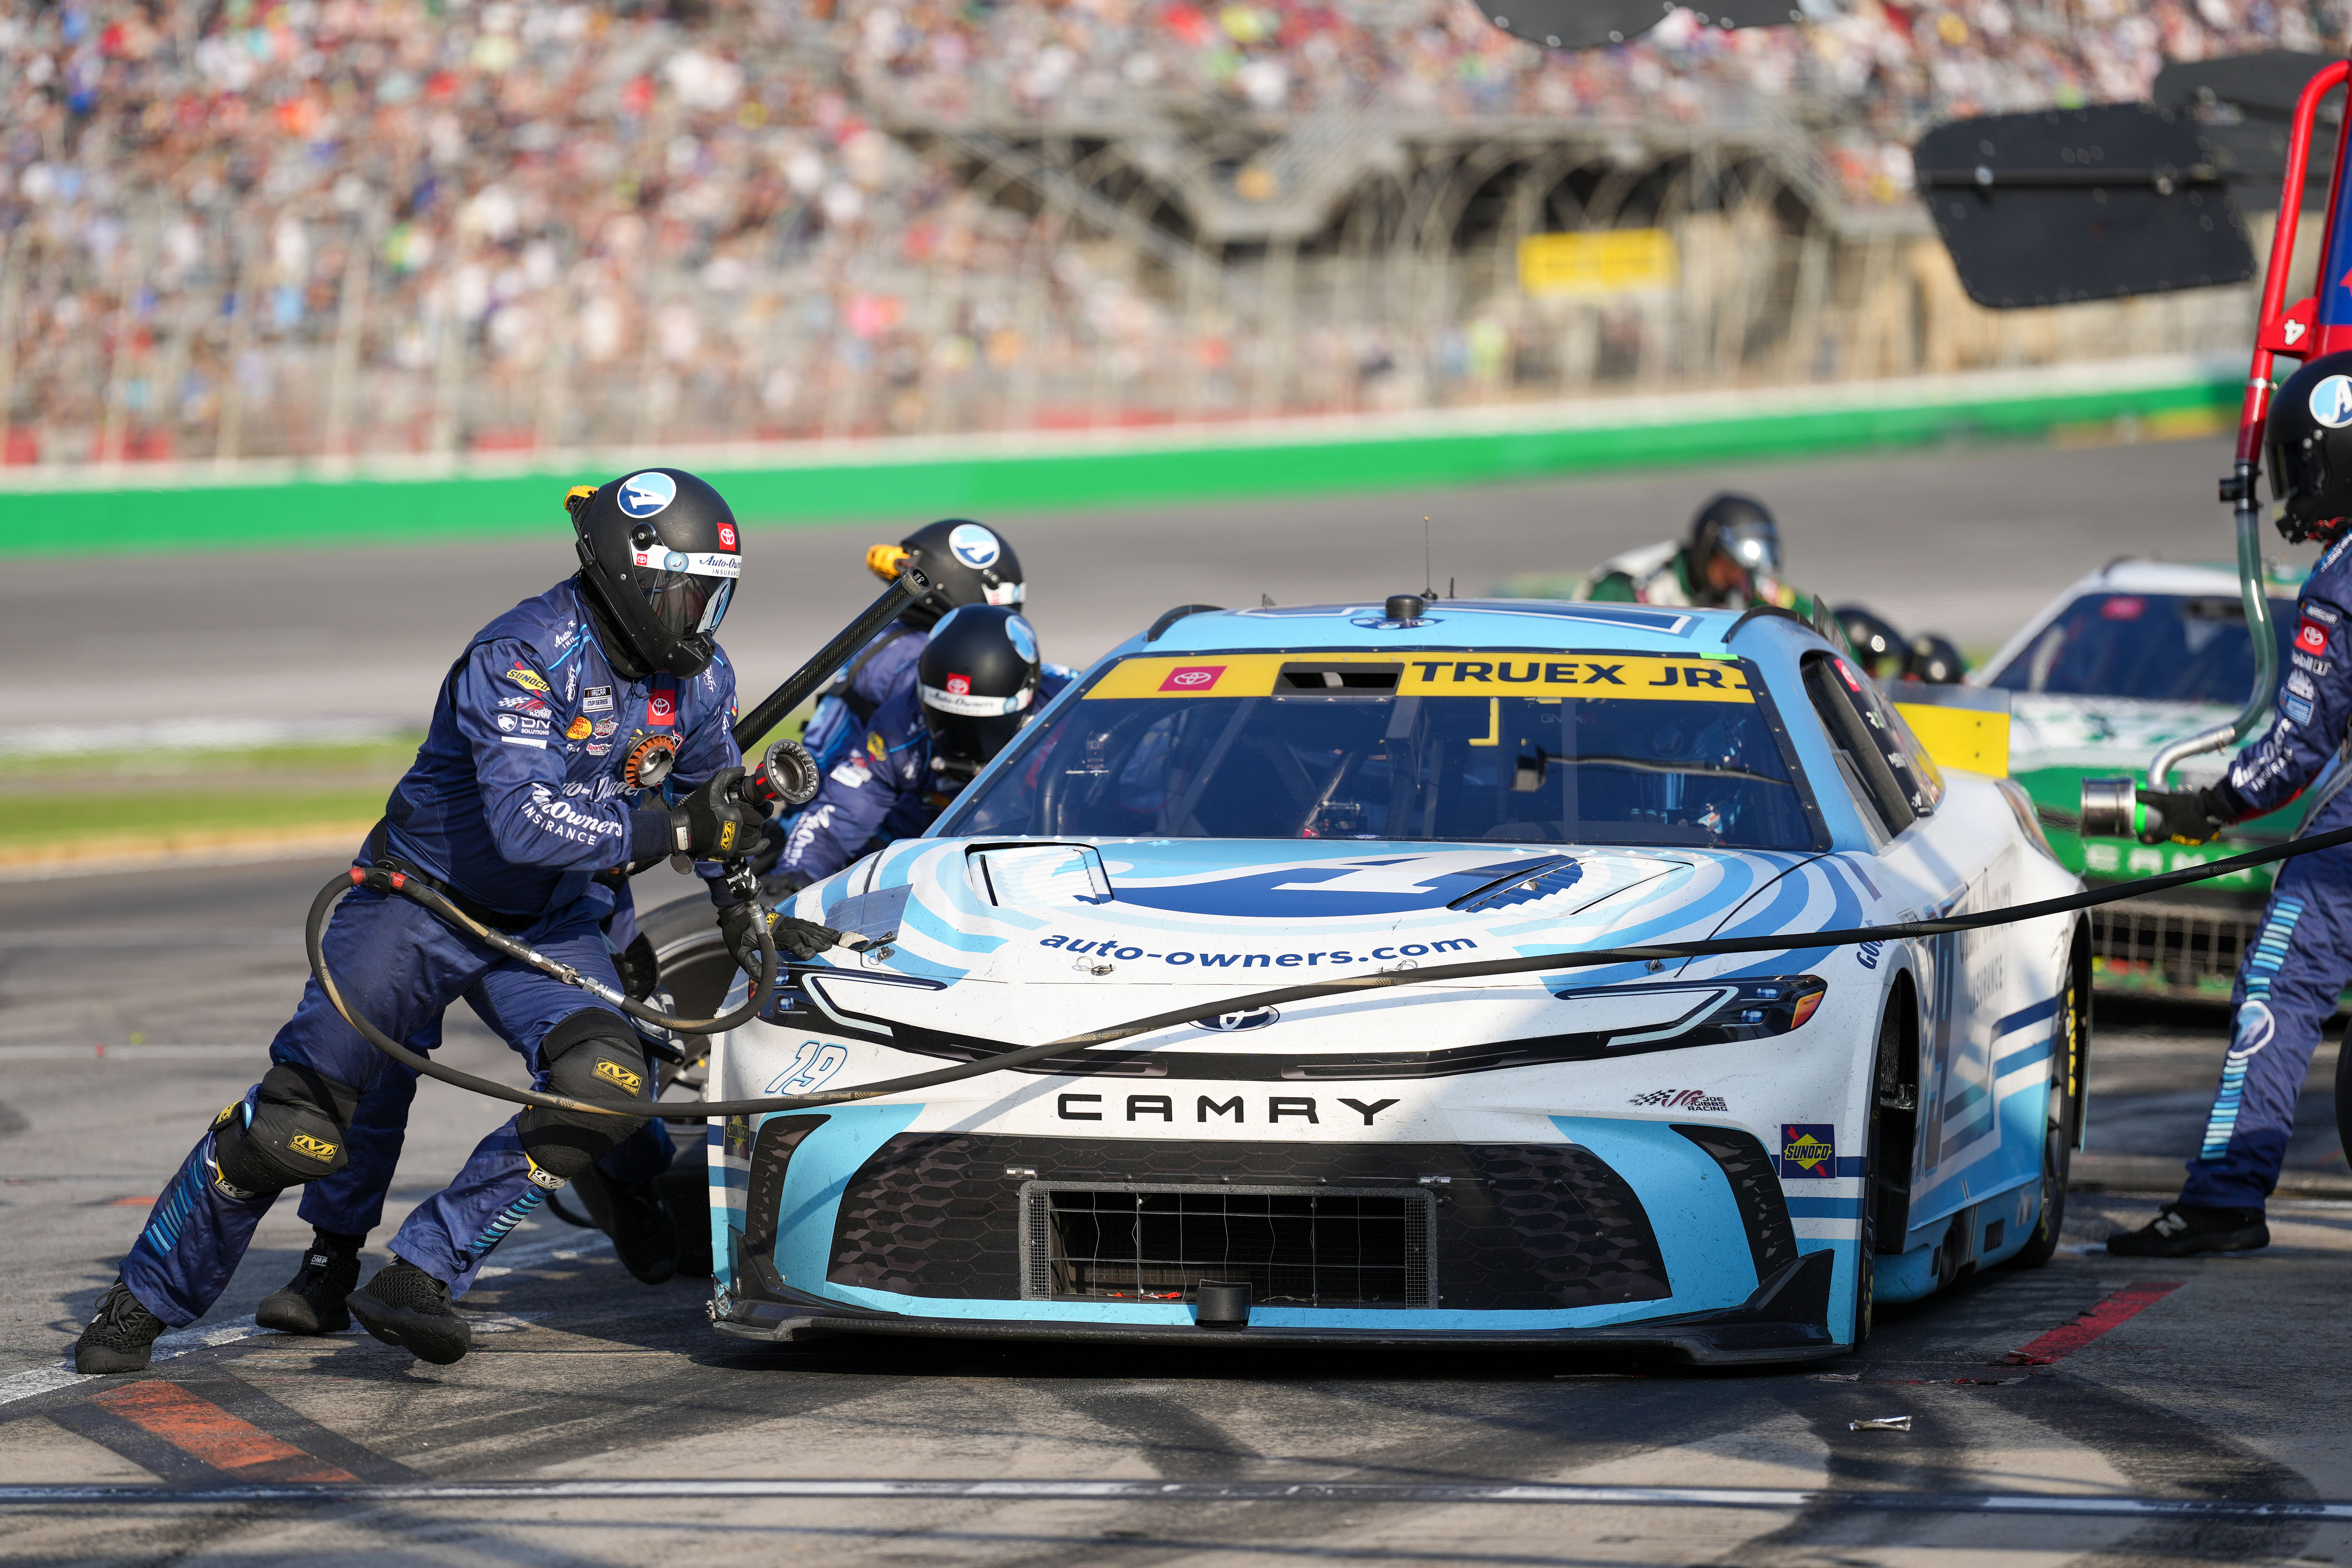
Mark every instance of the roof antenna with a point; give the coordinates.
(1428, 577)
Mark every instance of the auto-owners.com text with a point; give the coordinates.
(1128, 953)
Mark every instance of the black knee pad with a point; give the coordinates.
(297, 1134)
(591, 1055)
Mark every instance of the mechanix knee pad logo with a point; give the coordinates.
(613, 1072)
(310, 1147)
(1807, 1148)
(544, 1180)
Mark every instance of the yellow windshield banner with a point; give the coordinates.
(1550, 676)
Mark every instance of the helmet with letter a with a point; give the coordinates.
(659, 558)
(2309, 433)
(967, 562)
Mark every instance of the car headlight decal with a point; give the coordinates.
(1723, 1013)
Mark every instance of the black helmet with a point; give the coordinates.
(978, 676)
(659, 557)
(1934, 660)
(1877, 647)
(1741, 527)
(2310, 437)
(969, 563)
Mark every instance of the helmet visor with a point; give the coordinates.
(1754, 544)
(2299, 469)
(688, 603)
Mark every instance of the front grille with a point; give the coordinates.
(1325, 1248)
(1509, 1226)
(2170, 949)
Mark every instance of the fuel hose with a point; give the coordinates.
(321, 910)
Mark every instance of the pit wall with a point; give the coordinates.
(132, 507)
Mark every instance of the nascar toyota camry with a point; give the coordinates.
(2137, 655)
(1726, 1160)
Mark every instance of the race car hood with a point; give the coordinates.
(2108, 733)
(1083, 934)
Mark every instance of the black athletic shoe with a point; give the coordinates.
(644, 1231)
(120, 1336)
(313, 1302)
(405, 1306)
(2182, 1230)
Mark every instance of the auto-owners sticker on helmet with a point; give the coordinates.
(642, 495)
(702, 563)
(974, 546)
(2331, 402)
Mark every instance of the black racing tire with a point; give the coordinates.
(696, 970)
(1865, 1251)
(2058, 1133)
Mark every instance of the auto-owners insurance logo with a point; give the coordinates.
(1192, 677)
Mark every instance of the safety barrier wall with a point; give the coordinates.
(143, 507)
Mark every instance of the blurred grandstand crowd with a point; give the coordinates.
(248, 227)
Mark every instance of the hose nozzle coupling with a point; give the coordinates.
(2111, 808)
(786, 776)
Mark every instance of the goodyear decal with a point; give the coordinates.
(1621, 677)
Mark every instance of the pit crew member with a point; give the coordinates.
(2290, 976)
(537, 771)
(967, 563)
(978, 681)
(1731, 561)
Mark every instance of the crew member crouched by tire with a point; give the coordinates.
(561, 739)
(2294, 971)
(978, 682)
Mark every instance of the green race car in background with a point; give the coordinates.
(2134, 656)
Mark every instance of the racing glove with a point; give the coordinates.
(2185, 816)
(713, 822)
(797, 939)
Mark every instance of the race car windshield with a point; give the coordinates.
(2163, 647)
(1526, 747)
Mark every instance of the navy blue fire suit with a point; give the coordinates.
(882, 790)
(2295, 969)
(516, 798)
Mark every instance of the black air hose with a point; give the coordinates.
(1593, 959)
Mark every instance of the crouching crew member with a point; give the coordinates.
(2294, 972)
(978, 682)
(1731, 561)
(561, 739)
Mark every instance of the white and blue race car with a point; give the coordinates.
(1727, 1159)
